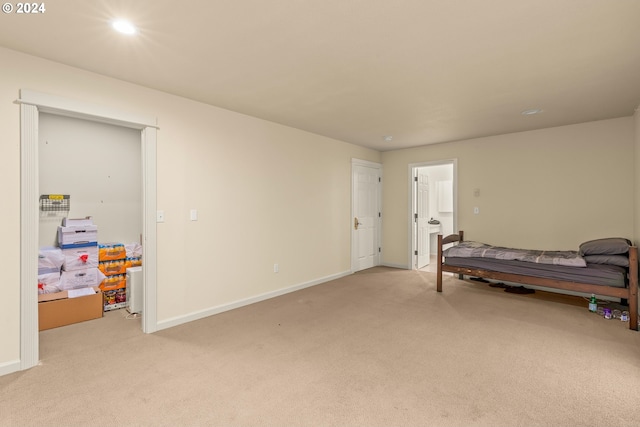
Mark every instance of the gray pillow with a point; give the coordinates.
(609, 246)
(619, 260)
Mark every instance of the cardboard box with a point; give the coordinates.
(77, 235)
(58, 309)
(80, 257)
(115, 299)
(84, 278)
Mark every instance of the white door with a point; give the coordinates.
(366, 217)
(422, 219)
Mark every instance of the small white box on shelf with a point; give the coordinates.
(74, 222)
(77, 235)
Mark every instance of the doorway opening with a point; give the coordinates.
(31, 105)
(432, 210)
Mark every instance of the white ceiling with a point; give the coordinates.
(424, 71)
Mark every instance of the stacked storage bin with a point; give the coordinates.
(78, 240)
(112, 257)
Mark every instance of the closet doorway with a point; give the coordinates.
(432, 190)
(32, 104)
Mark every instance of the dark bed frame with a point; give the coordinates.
(630, 293)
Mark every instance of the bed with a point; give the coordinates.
(588, 271)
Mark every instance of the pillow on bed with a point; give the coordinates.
(619, 260)
(609, 246)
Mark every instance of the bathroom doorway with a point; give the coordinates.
(433, 209)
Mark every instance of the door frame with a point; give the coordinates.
(32, 103)
(412, 202)
(417, 220)
(354, 254)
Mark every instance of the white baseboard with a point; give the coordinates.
(179, 320)
(9, 367)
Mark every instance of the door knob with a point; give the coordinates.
(356, 223)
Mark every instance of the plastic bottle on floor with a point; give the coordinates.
(593, 304)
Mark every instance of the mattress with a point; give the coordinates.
(594, 274)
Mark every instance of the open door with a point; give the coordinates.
(422, 219)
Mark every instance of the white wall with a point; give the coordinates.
(545, 189)
(265, 194)
(99, 166)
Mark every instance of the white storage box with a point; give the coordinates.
(74, 222)
(76, 279)
(77, 235)
(77, 258)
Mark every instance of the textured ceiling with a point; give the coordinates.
(424, 71)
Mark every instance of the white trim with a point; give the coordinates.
(411, 208)
(31, 104)
(361, 162)
(53, 104)
(149, 231)
(196, 315)
(29, 223)
(354, 255)
(9, 367)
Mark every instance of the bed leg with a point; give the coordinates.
(633, 288)
(633, 308)
(633, 313)
(439, 266)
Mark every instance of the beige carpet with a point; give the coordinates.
(377, 348)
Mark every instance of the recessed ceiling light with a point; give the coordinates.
(531, 111)
(388, 138)
(125, 27)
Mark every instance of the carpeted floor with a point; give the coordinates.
(376, 348)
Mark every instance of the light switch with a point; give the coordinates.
(193, 215)
(159, 216)
(476, 210)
